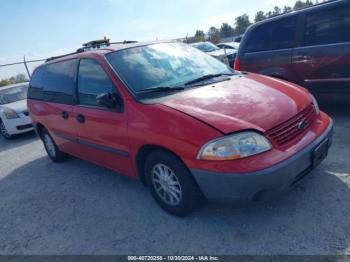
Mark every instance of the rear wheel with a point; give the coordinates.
(171, 183)
(4, 131)
(51, 148)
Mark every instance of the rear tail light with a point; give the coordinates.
(237, 65)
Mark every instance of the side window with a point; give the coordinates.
(92, 81)
(328, 27)
(54, 82)
(59, 82)
(35, 90)
(277, 34)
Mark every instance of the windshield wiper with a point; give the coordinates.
(209, 76)
(161, 89)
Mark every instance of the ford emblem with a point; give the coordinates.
(302, 124)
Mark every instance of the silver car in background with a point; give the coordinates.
(224, 55)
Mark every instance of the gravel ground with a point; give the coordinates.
(79, 208)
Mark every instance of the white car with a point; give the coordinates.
(14, 116)
(216, 52)
(229, 45)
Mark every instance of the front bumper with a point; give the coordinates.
(18, 125)
(264, 183)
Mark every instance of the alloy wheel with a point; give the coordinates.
(50, 146)
(166, 184)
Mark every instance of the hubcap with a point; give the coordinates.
(3, 130)
(49, 145)
(166, 184)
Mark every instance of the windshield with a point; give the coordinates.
(13, 94)
(163, 65)
(206, 47)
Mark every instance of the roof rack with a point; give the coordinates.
(92, 45)
(95, 44)
(124, 42)
(60, 56)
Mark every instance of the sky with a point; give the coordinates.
(41, 28)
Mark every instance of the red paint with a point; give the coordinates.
(183, 123)
(248, 102)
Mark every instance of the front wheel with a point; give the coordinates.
(51, 148)
(171, 183)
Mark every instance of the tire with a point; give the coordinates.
(4, 132)
(51, 148)
(171, 183)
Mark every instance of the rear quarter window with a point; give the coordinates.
(35, 90)
(278, 34)
(55, 82)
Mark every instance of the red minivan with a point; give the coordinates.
(180, 121)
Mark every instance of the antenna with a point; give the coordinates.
(25, 64)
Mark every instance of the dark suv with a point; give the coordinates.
(310, 47)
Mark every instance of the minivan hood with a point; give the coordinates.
(18, 106)
(249, 101)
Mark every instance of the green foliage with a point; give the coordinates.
(287, 9)
(5, 82)
(214, 35)
(199, 36)
(301, 4)
(226, 30)
(19, 78)
(276, 11)
(259, 16)
(242, 23)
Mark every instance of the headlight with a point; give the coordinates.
(9, 113)
(314, 102)
(234, 146)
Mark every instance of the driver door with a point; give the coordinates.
(102, 132)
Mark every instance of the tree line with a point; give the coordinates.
(19, 78)
(242, 22)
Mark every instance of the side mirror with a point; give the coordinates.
(109, 100)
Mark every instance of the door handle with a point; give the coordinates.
(80, 118)
(65, 115)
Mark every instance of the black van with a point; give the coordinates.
(310, 47)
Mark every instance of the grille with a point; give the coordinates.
(293, 127)
(26, 113)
